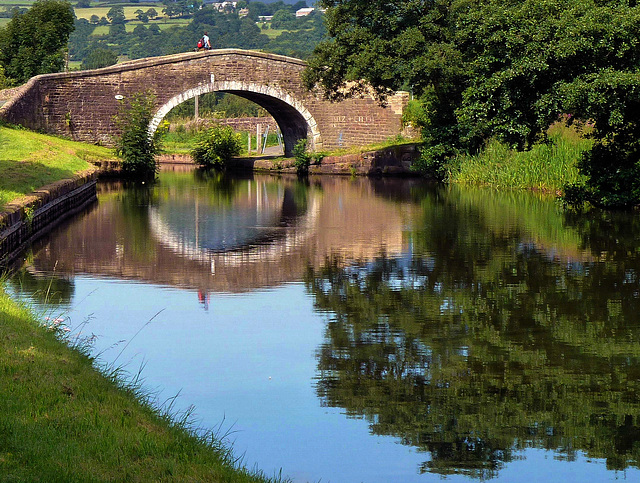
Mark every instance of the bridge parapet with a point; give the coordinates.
(82, 104)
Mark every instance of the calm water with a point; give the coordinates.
(364, 330)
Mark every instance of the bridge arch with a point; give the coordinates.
(293, 118)
(82, 104)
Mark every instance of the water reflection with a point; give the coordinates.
(471, 326)
(216, 233)
(481, 342)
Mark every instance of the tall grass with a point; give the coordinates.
(546, 167)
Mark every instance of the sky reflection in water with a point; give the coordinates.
(367, 330)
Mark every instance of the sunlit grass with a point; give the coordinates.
(545, 167)
(100, 11)
(29, 161)
(63, 420)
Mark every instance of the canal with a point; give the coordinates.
(362, 330)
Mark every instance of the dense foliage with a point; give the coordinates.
(500, 69)
(134, 145)
(35, 42)
(216, 147)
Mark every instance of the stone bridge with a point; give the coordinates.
(81, 104)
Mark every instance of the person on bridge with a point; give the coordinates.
(206, 41)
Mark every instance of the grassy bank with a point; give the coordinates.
(546, 167)
(62, 420)
(29, 161)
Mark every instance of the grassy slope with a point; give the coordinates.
(29, 161)
(61, 420)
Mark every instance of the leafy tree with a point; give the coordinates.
(79, 40)
(94, 19)
(497, 69)
(137, 149)
(99, 57)
(283, 19)
(4, 83)
(83, 4)
(35, 42)
(152, 13)
(116, 15)
(142, 16)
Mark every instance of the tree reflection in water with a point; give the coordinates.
(479, 343)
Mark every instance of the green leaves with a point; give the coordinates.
(135, 146)
(216, 147)
(495, 69)
(34, 42)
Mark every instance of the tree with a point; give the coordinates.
(496, 69)
(142, 16)
(116, 15)
(99, 57)
(35, 42)
(134, 145)
(83, 4)
(4, 83)
(94, 19)
(283, 20)
(216, 147)
(152, 13)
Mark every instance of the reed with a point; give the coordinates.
(546, 167)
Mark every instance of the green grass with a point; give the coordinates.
(29, 161)
(389, 143)
(546, 167)
(63, 420)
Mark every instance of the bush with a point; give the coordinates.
(303, 158)
(216, 147)
(137, 149)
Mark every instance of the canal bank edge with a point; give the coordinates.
(29, 217)
(391, 161)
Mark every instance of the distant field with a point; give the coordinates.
(130, 26)
(4, 21)
(101, 11)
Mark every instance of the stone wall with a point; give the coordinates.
(81, 105)
(237, 123)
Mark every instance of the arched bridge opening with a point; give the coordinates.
(293, 119)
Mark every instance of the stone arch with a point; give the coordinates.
(293, 118)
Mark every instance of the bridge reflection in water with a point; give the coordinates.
(212, 233)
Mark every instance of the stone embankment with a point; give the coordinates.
(28, 217)
(393, 161)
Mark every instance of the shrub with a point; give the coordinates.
(216, 147)
(303, 158)
(135, 146)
